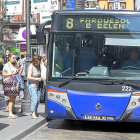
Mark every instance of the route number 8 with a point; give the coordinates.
(69, 23)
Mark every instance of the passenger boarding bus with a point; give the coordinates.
(93, 65)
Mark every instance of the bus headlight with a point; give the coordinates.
(58, 97)
(51, 94)
(51, 111)
(134, 102)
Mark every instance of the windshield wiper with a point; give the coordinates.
(73, 78)
(102, 82)
(68, 81)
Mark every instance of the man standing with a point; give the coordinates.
(22, 64)
(43, 68)
(87, 58)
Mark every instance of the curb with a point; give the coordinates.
(30, 130)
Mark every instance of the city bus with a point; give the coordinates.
(93, 65)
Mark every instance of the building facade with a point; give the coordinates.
(15, 12)
(117, 4)
(111, 4)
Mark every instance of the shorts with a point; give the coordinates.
(7, 98)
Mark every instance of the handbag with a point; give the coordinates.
(11, 88)
(19, 79)
(41, 83)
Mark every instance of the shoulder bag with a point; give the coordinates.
(11, 86)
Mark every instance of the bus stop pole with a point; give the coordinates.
(61, 4)
(26, 104)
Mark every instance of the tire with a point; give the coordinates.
(48, 119)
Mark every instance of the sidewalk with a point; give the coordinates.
(16, 129)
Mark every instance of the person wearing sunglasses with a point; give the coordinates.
(10, 69)
(3, 62)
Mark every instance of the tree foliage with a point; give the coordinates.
(4, 28)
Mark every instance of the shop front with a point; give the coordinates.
(35, 47)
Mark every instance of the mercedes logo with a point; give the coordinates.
(98, 106)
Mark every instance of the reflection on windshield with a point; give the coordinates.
(102, 55)
(87, 57)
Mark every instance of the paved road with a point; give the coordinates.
(67, 130)
(2, 103)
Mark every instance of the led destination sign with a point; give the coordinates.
(101, 23)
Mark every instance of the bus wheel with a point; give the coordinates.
(48, 119)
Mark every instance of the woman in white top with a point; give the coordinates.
(10, 69)
(34, 77)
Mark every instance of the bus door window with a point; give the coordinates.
(67, 55)
(63, 56)
(58, 58)
(67, 60)
(78, 44)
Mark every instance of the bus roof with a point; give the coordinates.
(96, 11)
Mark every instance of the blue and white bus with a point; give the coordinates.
(93, 65)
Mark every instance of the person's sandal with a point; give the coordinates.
(12, 117)
(34, 117)
(16, 116)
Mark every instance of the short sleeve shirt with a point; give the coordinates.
(86, 60)
(131, 63)
(9, 69)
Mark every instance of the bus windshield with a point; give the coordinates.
(100, 55)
